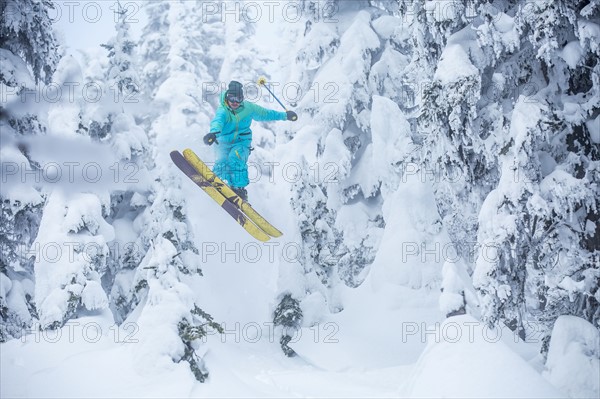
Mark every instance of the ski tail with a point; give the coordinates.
(213, 193)
(228, 193)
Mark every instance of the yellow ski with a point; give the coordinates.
(209, 189)
(228, 193)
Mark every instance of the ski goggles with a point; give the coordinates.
(235, 99)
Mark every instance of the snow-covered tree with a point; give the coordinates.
(288, 316)
(27, 39)
(320, 242)
(68, 277)
(20, 221)
(241, 61)
(116, 121)
(73, 234)
(122, 74)
(340, 132)
(154, 46)
(200, 44)
(167, 309)
(546, 261)
(353, 141)
(508, 103)
(28, 56)
(507, 95)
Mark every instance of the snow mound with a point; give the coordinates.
(573, 363)
(465, 359)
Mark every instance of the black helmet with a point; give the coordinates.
(235, 92)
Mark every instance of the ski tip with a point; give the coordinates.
(188, 151)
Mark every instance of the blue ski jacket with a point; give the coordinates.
(235, 125)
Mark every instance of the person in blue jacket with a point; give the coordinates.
(230, 130)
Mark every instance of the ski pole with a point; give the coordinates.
(262, 81)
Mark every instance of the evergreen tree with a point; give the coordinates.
(320, 242)
(242, 61)
(68, 278)
(546, 262)
(504, 121)
(27, 39)
(29, 56)
(341, 133)
(121, 73)
(154, 46)
(288, 315)
(345, 182)
(117, 124)
(173, 79)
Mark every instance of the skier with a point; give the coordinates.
(232, 126)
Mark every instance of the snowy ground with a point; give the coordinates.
(354, 358)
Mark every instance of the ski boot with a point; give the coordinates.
(241, 192)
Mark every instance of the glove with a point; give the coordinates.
(211, 138)
(291, 116)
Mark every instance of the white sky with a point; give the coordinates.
(83, 24)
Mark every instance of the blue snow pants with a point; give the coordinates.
(231, 164)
